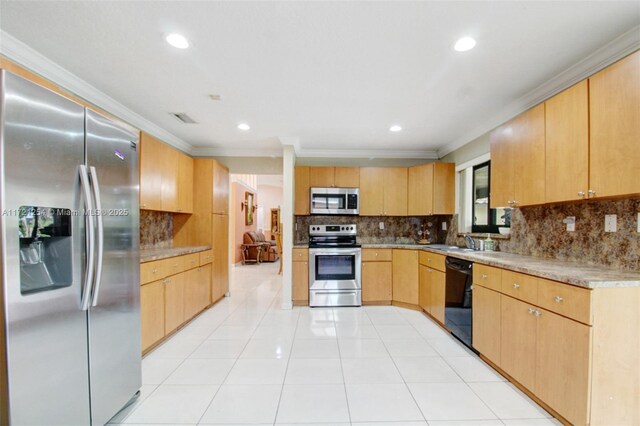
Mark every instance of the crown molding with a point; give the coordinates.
(365, 153)
(613, 51)
(25, 56)
(236, 152)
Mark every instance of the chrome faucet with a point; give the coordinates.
(470, 242)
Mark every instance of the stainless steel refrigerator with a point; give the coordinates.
(70, 258)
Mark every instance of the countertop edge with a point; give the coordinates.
(150, 255)
(573, 273)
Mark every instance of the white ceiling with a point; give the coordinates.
(330, 75)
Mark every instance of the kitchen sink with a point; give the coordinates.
(449, 249)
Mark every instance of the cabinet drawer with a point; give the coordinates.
(152, 271)
(206, 257)
(300, 255)
(373, 255)
(520, 286)
(566, 300)
(432, 260)
(191, 261)
(487, 276)
(174, 265)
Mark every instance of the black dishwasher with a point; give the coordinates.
(458, 304)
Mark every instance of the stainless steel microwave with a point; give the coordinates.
(338, 201)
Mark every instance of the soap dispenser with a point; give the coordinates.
(489, 243)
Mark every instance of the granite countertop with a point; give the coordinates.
(148, 255)
(575, 273)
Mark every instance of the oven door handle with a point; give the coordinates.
(329, 293)
(334, 251)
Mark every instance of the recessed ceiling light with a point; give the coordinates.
(177, 40)
(215, 97)
(395, 128)
(464, 44)
(244, 126)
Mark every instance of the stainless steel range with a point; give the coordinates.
(334, 266)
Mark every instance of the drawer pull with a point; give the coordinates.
(558, 299)
(154, 271)
(175, 265)
(484, 276)
(531, 310)
(537, 313)
(376, 254)
(516, 286)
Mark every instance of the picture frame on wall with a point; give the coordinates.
(249, 208)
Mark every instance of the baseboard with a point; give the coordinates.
(406, 305)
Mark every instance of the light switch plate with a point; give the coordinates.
(444, 226)
(610, 223)
(570, 221)
(381, 225)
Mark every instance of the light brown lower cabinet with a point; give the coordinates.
(405, 276)
(376, 282)
(486, 322)
(575, 349)
(174, 301)
(152, 313)
(432, 292)
(167, 303)
(562, 365)
(518, 340)
(300, 277)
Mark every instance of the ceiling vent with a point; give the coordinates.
(183, 118)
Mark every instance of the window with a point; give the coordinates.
(486, 219)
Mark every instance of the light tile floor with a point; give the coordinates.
(247, 361)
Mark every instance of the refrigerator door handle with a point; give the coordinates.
(90, 232)
(100, 235)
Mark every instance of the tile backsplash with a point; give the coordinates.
(397, 229)
(156, 229)
(539, 231)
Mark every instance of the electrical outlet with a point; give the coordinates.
(381, 225)
(610, 223)
(444, 226)
(638, 223)
(570, 221)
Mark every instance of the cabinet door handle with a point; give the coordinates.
(592, 193)
(516, 286)
(581, 194)
(537, 313)
(531, 310)
(154, 271)
(376, 254)
(558, 299)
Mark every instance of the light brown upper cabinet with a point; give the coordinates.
(334, 177)
(383, 191)
(347, 177)
(185, 184)
(322, 177)
(220, 189)
(518, 160)
(150, 172)
(301, 190)
(614, 108)
(371, 191)
(395, 191)
(166, 177)
(212, 189)
(431, 189)
(567, 144)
